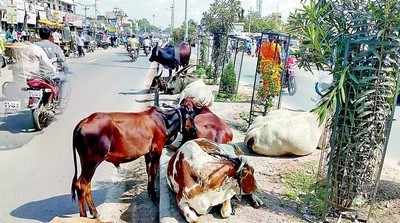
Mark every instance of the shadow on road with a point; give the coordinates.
(17, 123)
(63, 206)
(16, 130)
(123, 61)
(132, 92)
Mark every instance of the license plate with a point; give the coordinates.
(11, 106)
(35, 93)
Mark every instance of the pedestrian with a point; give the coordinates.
(80, 44)
(9, 36)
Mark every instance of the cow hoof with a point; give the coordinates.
(256, 201)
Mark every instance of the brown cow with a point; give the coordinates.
(123, 137)
(208, 125)
(204, 174)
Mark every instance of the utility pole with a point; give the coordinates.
(95, 17)
(172, 16)
(186, 22)
(86, 8)
(154, 19)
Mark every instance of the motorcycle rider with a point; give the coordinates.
(146, 44)
(133, 44)
(53, 51)
(55, 54)
(32, 61)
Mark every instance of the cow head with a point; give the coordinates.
(193, 110)
(180, 80)
(246, 179)
(175, 85)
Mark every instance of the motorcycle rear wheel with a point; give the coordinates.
(41, 118)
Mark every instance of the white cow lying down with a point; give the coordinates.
(200, 92)
(284, 132)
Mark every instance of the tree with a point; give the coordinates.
(145, 26)
(221, 15)
(255, 23)
(179, 33)
(219, 20)
(357, 41)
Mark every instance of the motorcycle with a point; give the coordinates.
(44, 99)
(90, 46)
(103, 44)
(133, 54)
(146, 50)
(289, 80)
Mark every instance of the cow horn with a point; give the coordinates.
(185, 69)
(243, 162)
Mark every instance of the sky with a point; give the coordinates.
(162, 8)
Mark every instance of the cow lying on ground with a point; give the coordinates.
(284, 132)
(208, 125)
(189, 86)
(123, 137)
(204, 174)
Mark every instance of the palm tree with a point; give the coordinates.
(358, 42)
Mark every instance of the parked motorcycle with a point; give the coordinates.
(289, 79)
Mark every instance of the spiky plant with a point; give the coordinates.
(357, 41)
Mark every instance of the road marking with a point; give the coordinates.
(92, 60)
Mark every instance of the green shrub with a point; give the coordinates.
(200, 72)
(228, 80)
(209, 72)
(301, 187)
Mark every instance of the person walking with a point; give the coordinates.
(80, 43)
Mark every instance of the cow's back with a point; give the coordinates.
(284, 132)
(212, 127)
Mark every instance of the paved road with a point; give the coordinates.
(36, 168)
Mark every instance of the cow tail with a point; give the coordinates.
(75, 136)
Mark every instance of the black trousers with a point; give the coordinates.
(80, 51)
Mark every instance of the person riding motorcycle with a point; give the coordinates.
(146, 45)
(32, 61)
(55, 54)
(133, 44)
(53, 51)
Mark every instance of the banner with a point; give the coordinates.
(20, 16)
(11, 15)
(42, 15)
(56, 16)
(31, 14)
(20, 4)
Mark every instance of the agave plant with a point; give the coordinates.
(358, 42)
